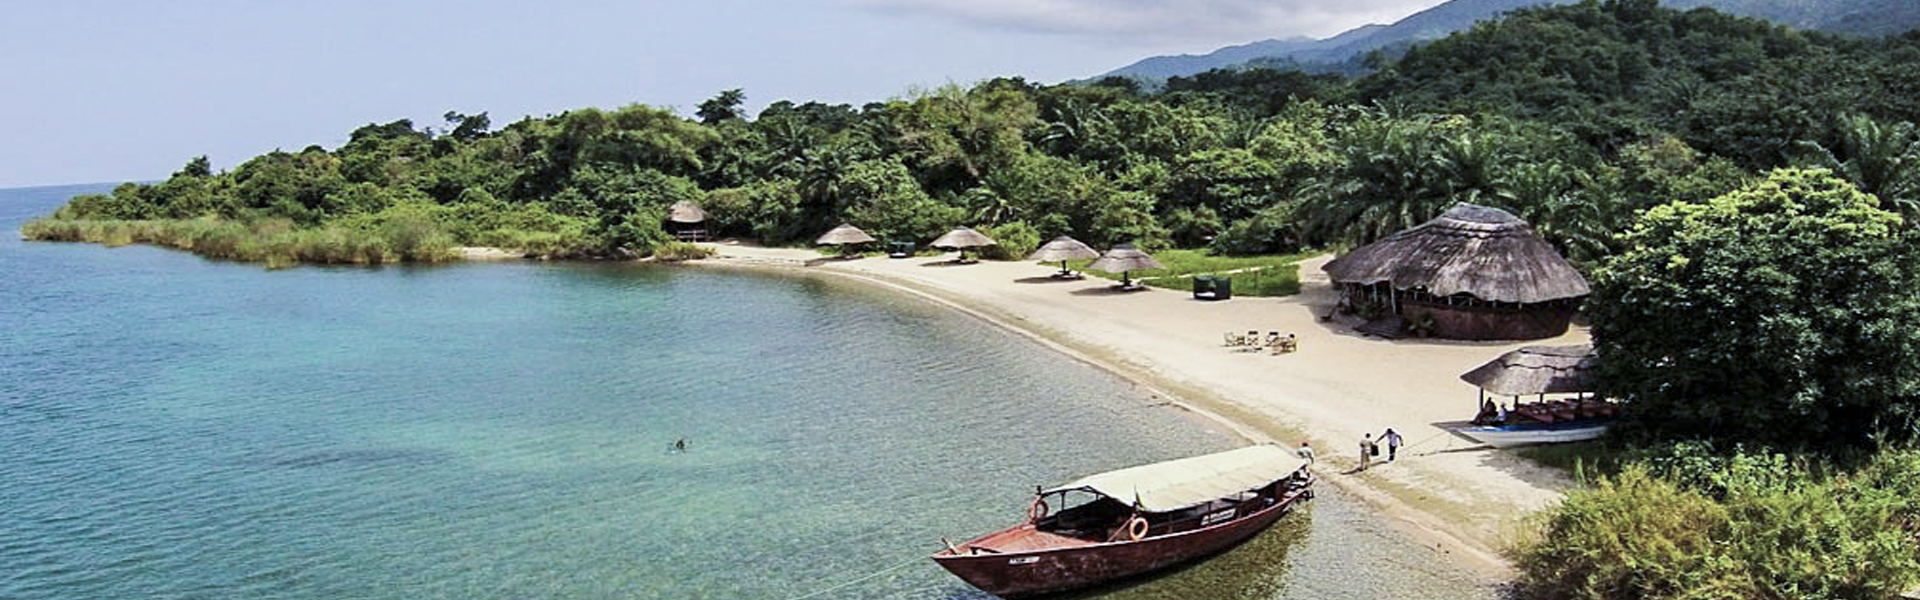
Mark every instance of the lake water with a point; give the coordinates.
(172, 427)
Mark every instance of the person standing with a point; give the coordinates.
(1367, 450)
(1392, 438)
(1305, 452)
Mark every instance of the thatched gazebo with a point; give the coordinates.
(689, 222)
(1473, 273)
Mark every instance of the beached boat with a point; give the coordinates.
(1563, 371)
(1524, 434)
(1133, 521)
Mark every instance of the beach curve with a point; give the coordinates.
(1446, 491)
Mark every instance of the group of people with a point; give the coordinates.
(1369, 448)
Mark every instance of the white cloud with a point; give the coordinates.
(1162, 22)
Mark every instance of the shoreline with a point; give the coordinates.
(1415, 500)
(1464, 500)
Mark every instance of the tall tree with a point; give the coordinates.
(1781, 313)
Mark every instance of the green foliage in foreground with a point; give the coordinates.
(1750, 526)
(1252, 275)
(1780, 314)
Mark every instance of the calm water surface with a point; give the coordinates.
(172, 427)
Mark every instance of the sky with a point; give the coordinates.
(130, 90)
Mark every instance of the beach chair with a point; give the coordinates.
(1280, 344)
(1235, 339)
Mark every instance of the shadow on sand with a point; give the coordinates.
(1109, 290)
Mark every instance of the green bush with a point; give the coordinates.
(1251, 275)
(1696, 525)
(1013, 241)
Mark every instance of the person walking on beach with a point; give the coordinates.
(1392, 438)
(1305, 452)
(1367, 450)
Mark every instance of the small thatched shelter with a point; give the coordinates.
(1535, 370)
(843, 235)
(1125, 259)
(1063, 249)
(689, 223)
(1474, 273)
(962, 238)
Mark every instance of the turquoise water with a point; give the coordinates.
(172, 427)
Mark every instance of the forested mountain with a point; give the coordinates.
(1343, 52)
(1572, 117)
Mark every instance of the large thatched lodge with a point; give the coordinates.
(1473, 273)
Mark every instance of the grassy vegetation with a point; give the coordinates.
(1252, 275)
(276, 242)
(678, 251)
(1698, 525)
(1592, 457)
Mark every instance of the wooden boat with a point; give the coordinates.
(1543, 422)
(1134, 521)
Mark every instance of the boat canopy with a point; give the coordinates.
(1177, 484)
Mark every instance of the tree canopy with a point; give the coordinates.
(1781, 313)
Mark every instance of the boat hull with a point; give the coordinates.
(1503, 437)
(1031, 573)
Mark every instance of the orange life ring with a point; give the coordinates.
(1136, 529)
(1038, 510)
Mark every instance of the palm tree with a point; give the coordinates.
(1880, 159)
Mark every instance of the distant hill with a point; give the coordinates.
(1859, 17)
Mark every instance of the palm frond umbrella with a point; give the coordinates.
(686, 212)
(1063, 249)
(961, 239)
(844, 235)
(1124, 259)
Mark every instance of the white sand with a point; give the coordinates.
(1339, 385)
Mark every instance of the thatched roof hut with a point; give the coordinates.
(844, 234)
(686, 212)
(1472, 259)
(1483, 252)
(1537, 370)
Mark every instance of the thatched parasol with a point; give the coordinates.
(686, 212)
(961, 239)
(843, 235)
(1483, 252)
(1537, 370)
(1063, 249)
(1124, 259)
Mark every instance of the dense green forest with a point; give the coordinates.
(1573, 117)
(1741, 194)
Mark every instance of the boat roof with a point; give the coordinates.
(1177, 484)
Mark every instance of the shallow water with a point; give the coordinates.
(182, 428)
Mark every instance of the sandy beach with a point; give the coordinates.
(1447, 490)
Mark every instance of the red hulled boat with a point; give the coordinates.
(1133, 521)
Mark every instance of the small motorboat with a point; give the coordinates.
(1132, 521)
